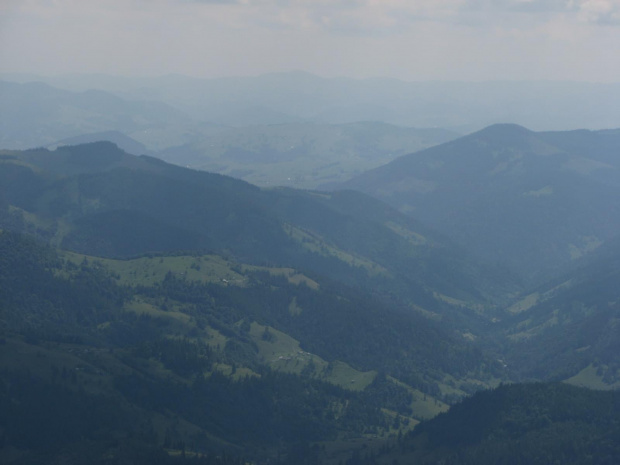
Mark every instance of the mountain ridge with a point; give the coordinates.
(221, 213)
(509, 194)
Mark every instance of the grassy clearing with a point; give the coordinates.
(236, 373)
(413, 237)
(317, 244)
(450, 386)
(291, 275)
(459, 303)
(31, 219)
(62, 229)
(590, 378)
(283, 353)
(547, 190)
(531, 332)
(293, 308)
(426, 313)
(142, 307)
(347, 377)
(179, 322)
(533, 299)
(272, 343)
(59, 227)
(524, 304)
(588, 244)
(423, 405)
(407, 423)
(147, 271)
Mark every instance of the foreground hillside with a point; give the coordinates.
(532, 201)
(170, 359)
(568, 328)
(534, 424)
(195, 316)
(204, 355)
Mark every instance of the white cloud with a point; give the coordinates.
(421, 39)
(599, 11)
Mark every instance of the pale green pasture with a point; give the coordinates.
(317, 244)
(589, 378)
(147, 271)
(283, 353)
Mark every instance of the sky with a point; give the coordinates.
(415, 40)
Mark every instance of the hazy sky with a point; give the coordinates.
(407, 39)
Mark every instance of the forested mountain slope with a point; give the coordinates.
(192, 313)
(122, 141)
(569, 328)
(518, 424)
(532, 201)
(197, 309)
(202, 354)
(96, 199)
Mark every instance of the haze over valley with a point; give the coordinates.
(407, 253)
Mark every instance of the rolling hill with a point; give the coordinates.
(302, 155)
(293, 152)
(119, 139)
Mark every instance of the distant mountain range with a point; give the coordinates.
(297, 96)
(292, 129)
(298, 153)
(35, 114)
(302, 155)
(534, 201)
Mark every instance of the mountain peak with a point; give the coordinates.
(504, 130)
(504, 134)
(93, 155)
(117, 138)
